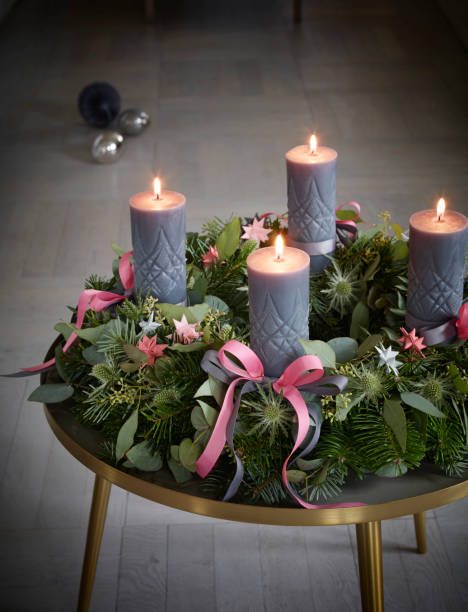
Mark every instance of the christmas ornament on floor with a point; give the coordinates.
(133, 121)
(99, 104)
(107, 147)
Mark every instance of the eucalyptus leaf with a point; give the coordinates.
(391, 334)
(218, 389)
(134, 353)
(228, 240)
(199, 288)
(129, 366)
(189, 348)
(198, 418)
(143, 458)
(193, 314)
(204, 390)
(210, 414)
(188, 454)
(296, 475)
(309, 465)
(126, 435)
(369, 344)
(90, 334)
(64, 328)
(345, 348)
(320, 349)
(216, 304)
(345, 215)
(51, 393)
(175, 452)
(392, 470)
(359, 320)
(421, 403)
(180, 474)
(60, 363)
(93, 356)
(395, 418)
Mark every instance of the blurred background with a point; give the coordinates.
(230, 86)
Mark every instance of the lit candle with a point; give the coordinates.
(311, 175)
(278, 304)
(437, 245)
(158, 237)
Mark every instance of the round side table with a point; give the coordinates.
(388, 498)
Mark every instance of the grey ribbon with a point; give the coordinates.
(345, 232)
(328, 385)
(315, 248)
(434, 332)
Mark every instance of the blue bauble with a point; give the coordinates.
(99, 104)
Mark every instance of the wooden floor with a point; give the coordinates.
(230, 86)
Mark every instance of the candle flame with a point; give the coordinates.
(157, 188)
(440, 208)
(313, 144)
(279, 246)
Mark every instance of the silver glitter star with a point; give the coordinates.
(387, 358)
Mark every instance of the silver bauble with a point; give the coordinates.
(107, 147)
(133, 121)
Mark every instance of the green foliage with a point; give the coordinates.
(51, 393)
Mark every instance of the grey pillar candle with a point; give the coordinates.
(311, 175)
(278, 306)
(158, 237)
(437, 246)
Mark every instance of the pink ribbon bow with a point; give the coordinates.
(95, 300)
(303, 371)
(252, 370)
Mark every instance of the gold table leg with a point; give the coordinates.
(97, 518)
(420, 529)
(369, 542)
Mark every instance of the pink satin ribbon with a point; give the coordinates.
(462, 322)
(97, 301)
(295, 375)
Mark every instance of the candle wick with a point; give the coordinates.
(439, 218)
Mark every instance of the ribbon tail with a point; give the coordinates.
(315, 415)
(239, 475)
(89, 298)
(214, 448)
(297, 402)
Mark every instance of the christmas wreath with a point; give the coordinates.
(150, 376)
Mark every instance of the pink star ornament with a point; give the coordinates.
(256, 231)
(185, 331)
(151, 349)
(411, 342)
